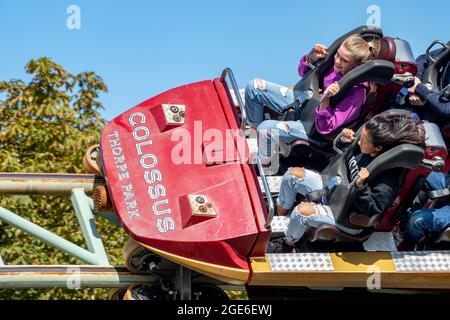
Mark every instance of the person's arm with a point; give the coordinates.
(377, 198)
(319, 51)
(434, 100)
(422, 64)
(329, 119)
(303, 66)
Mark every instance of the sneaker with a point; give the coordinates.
(398, 234)
(279, 246)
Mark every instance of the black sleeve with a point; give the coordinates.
(435, 100)
(378, 196)
(422, 64)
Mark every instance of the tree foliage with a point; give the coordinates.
(46, 124)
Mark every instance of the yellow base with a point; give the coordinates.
(351, 269)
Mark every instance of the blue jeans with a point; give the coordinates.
(260, 93)
(299, 223)
(272, 132)
(427, 220)
(291, 185)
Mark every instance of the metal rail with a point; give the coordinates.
(47, 183)
(83, 208)
(428, 51)
(267, 190)
(227, 72)
(70, 276)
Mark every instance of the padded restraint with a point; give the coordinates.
(407, 156)
(431, 73)
(388, 49)
(380, 71)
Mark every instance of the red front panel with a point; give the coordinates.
(152, 166)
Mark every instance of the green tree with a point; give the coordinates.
(46, 124)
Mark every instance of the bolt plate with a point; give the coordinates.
(174, 117)
(204, 209)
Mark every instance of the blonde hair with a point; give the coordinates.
(361, 49)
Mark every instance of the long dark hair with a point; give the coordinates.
(390, 130)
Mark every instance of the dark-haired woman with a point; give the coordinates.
(378, 135)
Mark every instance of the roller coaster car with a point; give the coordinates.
(414, 164)
(178, 175)
(180, 180)
(393, 69)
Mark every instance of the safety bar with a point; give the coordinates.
(431, 46)
(227, 72)
(436, 164)
(266, 189)
(335, 148)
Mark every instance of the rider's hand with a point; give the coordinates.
(415, 100)
(363, 175)
(332, 90)
(373, 87)
(348, 135)
(317, 52)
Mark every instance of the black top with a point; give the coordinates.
(377, 196)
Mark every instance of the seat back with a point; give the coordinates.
(432, 76)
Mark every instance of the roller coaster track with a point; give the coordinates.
(70, 276)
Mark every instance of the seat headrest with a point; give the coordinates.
(402, 156)
(387, 49)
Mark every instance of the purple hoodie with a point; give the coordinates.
(330, 119)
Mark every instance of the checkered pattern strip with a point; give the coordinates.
(422, 261)
(297, 262)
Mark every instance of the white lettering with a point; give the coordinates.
(135, 115)
(151, 165)
(155, 175)
(165, 224)
(156, 191)
(141, 144)
(136, 130)
(159, 203)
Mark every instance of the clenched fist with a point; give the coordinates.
(319, 51)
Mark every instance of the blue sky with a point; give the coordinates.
(142, 48)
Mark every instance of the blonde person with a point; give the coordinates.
(353, 52)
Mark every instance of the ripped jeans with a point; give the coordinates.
(428, 220)
(299, 223)
(260, 93)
